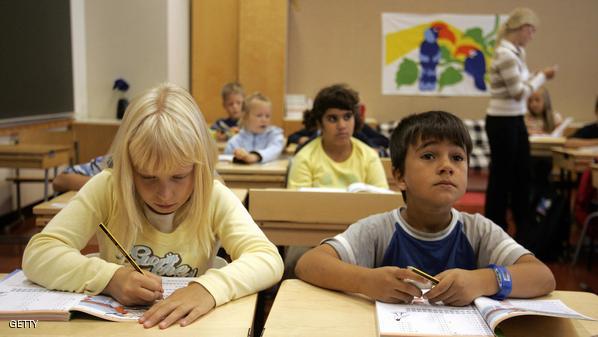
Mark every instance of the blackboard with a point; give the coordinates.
(36, 73)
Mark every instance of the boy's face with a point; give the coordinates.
(435, 173)
(337, 126)
(232, 104)
(258, 117)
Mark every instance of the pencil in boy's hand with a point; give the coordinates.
(425, 275)
(122, 250)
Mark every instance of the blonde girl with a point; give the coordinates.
(161, 201)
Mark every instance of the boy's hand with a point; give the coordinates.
(460, 287)
(185, 305)
(243, 155)
(221, 136)
(129, 287)
(387, 284)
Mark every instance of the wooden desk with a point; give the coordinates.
(34, 156)
(45, 211)
(541, 145)
(272, 174)
(232, 319)
(301, 309)
(573, 160)
(290, 217)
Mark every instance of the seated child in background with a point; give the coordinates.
(335, 158)
(309, 131)
(75, 176)
(162, 204)
(258, 141)
(540, 118)
(587, 135)
(232, 101)
(466, 252)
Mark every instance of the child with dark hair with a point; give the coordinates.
(335, 158)
(469, 254)
(587, 135)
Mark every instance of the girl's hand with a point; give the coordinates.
(549, 72)
(129, 287)
(185, 305)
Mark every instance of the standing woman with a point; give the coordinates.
(510, 85)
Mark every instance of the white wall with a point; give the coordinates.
(143, 41)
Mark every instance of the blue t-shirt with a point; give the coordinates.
(470, 241)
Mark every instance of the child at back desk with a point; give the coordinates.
(232, 101)
(160, 200)
(258, 141)
(470, 255)
(587, 135)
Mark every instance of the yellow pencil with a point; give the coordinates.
(425, 275)
(122, 250)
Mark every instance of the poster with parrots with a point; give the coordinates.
(437, 55)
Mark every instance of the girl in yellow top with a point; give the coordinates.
(335, 158)
(160, 200)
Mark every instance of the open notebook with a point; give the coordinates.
(23, 299)
(479, 319)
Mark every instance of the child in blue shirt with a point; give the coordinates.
(258, 141)
(469, 254)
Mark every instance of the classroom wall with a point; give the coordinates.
(143, 41)
(340, 41)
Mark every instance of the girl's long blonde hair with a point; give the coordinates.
(546, 114)
(518, 18)
(162, 130)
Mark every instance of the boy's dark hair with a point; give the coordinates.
(438, 125)
(336, 96)
(231, 88)
(308, 120)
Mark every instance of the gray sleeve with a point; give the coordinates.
(490, 242)
(364, 242)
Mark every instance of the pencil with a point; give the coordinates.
(122, 250)
(424, 275)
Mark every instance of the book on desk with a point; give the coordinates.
(421, 318)
(23, 299)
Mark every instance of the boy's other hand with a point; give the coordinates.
(387, 284)
(221, 136)
(184, 306)
(129, 287)
(460, 287)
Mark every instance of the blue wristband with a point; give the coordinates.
(505, 284)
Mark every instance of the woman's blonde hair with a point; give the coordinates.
(517, 19)
(162, 130)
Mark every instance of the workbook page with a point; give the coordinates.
(429, 320)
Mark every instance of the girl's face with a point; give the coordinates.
(258, 117)
(232, 104)
(337, 126)
(535, 103)
(164, 193)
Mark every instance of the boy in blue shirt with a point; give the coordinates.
(469, 254)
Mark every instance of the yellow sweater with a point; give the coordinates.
(53, 259)
(312, 167)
